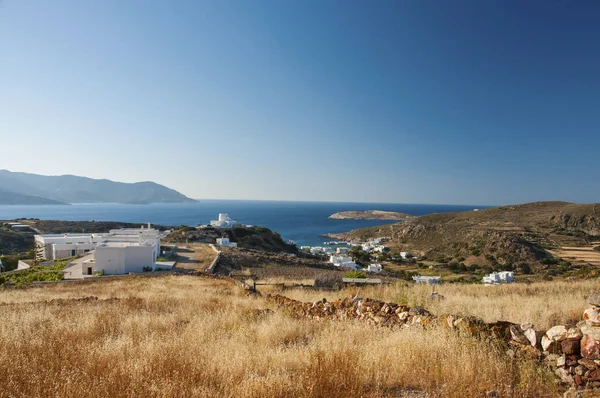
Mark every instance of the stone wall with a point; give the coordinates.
(572, 354)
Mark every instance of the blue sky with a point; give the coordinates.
(472, 102)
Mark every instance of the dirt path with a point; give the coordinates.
(195, 256)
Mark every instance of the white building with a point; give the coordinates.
(499, 277)
(125, 257)
(224, 221)
(342, 250)
(405, 255)
(374, 268)
(343, 262)
(57, 246)
(224, 242)
(117, 252)
(429, 280)
(318, 250)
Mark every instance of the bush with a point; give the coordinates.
(597, 248)
(330, 280)
(355, 274)
(147, 269)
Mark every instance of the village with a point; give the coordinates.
(128, 251)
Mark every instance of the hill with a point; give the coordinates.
(26, 188)
(520, 237)
(257, 238)
(13, 198)
(370, 215)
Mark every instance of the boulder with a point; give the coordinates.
(588, 363)
(570, 347)
(530, 333)
(591, 331)
(592, 317)
(551, 346)
(563, 375)
(594, 299)
(517, 334)
(590, 347)
(574, 334)
(561, 360)
(557, 333)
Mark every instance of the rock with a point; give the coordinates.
(564, 375)
(573, 393)
(592, 317)
(492, 394)
(571, 361)
(570, 347)
(532, 336)
(557, 333)
(517, 334)
(590, 347)
(588, 363)
(594, 299)
(574, 334)
(561, 361)
(551, 346)
(579, 370)
(403, 316)
(436, 297)
(593, 375)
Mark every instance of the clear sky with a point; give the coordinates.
(473, 102)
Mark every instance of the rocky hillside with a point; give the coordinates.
(514, 237)
(258, 238)
(370, 215)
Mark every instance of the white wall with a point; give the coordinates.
(122, 260)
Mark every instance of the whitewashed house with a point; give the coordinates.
(374, 268)
(224, 242)
(405, 255)
(499, 277)
(343, 262)
(429, 280)
(342, 250)
(117, 252)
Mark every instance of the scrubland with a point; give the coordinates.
(188, 336)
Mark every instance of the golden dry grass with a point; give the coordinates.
(185, 336)
(544, 304)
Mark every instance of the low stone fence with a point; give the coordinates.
(572, 354)
(211, 268)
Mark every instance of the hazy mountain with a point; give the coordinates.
(74, 189)
(13, 198)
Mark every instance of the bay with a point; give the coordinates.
(302, 222)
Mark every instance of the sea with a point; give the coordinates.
(302, 222)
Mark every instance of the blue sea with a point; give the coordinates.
(302, 222)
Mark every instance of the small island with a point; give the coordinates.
(370, 215)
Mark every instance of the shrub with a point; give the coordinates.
(147, 269)
(355, 274)
(597, 248)
(330, 280)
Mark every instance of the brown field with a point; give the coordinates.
(579, 255)
(189, 336)
(195, 256)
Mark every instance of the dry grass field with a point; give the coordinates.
(544, 304)
(188, 336)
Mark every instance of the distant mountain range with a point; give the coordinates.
(35, 189)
